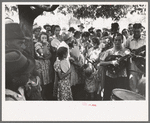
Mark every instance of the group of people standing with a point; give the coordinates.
(71, 64)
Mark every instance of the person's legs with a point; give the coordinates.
(108, 86)
(133, 77)
(92, 96)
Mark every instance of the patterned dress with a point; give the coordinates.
(44, 66)
(64, 92)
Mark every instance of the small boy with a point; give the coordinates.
(91, 81)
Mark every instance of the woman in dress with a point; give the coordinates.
(63, 71)
(44, 66)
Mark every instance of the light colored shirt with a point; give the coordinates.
(112, 51)
(132, 43)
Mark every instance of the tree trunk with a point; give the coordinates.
(26, 22)
(27, 14)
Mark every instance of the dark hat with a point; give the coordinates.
(46, 26)
(81, 25)
(85, 34)
(13, 31)
(98, 30)
(8, 20)
(16, 62)
(71, 29)
(91, 28)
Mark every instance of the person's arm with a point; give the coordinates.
(63, 75)
(126, 43)
(104, 63)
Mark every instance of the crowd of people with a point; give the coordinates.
(74, 64)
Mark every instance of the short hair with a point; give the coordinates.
(43, 33)
(56, 26)
(96, 41)
(77, 33)
(53, 27)
(105, 33)
(61, 51)
(98, 30)
(117, 34)
(114, 26)
(137, 26)
(85, 34)
(124, 30)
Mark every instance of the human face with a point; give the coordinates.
(86, 38)
(57, 31)
(49, 32)
(37, 32)
(65, 55)
(43, 38)
(118, 41)
(125, 33)
(16, 44)
(81, 29)
(130, 28)
(48, 28)
(95, 45)
(99, 34)
(137, 33)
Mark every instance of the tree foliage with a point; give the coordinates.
(116, 12)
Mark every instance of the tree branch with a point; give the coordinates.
(47, 8)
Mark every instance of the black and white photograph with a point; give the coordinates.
(81, 57)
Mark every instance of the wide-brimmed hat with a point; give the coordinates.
(13, 31)
(16, 62)
(71, 29)
(8, 20)
(81, 25)
(46, 25)
(35, 26)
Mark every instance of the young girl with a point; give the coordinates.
(44, 67)
(63, 70)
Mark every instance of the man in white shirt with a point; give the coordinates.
(135, 42)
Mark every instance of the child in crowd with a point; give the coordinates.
(44, 67)
(93, 52)
(63, 70)
(91, 81)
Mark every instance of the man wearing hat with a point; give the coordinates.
(18, 68)
(15, 40)
(91, 31)
(47, 27)
(135, 42)
(81, 27)
(71, 31)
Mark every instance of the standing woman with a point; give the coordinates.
(116, 80)
(56, 33)
(44, 66)
(63, 73)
